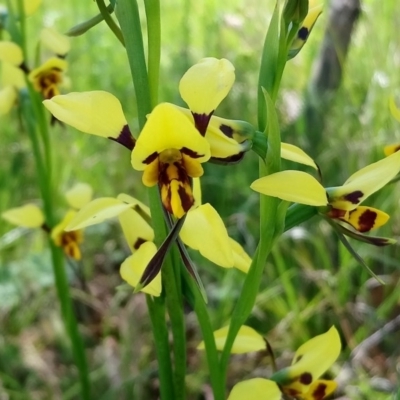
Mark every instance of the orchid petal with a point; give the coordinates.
(255, 389)
(136, 230)
(97, 112)
(246, 341)
(79, 195)
(96, 212)
(320, 389)
(134, 202)
(311, 360)
(11, 53)
(204, 231)
(56, 42)
(167, 128)
(206, 84)
(12, 76)
(294, 153)
(364, 182)
(364, 219)
(133, 267)
(295, 186)
(241, 260)
(28, 216)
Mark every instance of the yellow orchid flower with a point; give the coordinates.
(341, 203)
(47, 78)
(314, 11)
(170, 152)
(310, 362)
(31, 216)
(11, 53)
(300, 380)
(171, 146)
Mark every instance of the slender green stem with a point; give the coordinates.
(157, 313)
(173, 296)
(154, 46)
(129, 19)
(109, 21)
(200, 309)
(70, 322)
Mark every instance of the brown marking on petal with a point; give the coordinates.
(138, 243)
(305, 378)
(190, 153)
(69, 241)
(228, 160)
(201, 122)
(125, 138)
(150, 158)
(298, 358)
(291, 392)
(187, 199)
(336, 213)
(227, 130)
(397, 148)
(354, 197)
(378, 241)
(320, 391)
(303, 33)
(366, 221)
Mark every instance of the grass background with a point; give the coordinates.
(310, 281)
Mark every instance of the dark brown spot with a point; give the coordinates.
(305, 378)
(126, 139)
(190, 153)
(138, 243)
(201, 122)
(397, 148)
(227, 130)
(303, 33)
(320, 391)
(354, 197)
(366, 221)
(150, 158)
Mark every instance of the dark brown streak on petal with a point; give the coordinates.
(190, 153)
(186, 199)
(236, 158)
(138, 243)
(354, 197)
(367, 220)
(150, 158)
(201, 122)
(127, 140)
(226, 130)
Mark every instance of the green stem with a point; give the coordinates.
(200, 309)
(129, 19)
(104, 11)
(70, 322)
(297, 214)
(154, 46)
(156, 308)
